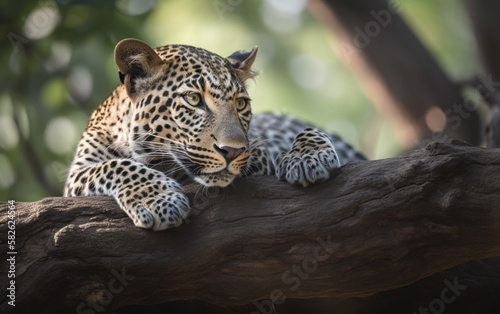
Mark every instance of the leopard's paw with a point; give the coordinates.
(155, 205)
(311, 159)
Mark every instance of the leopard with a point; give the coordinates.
(182, 114)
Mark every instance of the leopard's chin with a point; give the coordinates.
(218, 179)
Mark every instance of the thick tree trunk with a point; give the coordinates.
(376, 226)
(396, 71)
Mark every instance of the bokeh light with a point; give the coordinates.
(80, 83)
(308, 71)
(60, 56)
(9, 135)
(283, 16)
(8, 176)
(42, 21)
(135, 7)
(60, 135)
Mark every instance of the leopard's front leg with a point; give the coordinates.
(149, 197)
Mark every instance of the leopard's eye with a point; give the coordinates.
(241, 103)
(193, 99)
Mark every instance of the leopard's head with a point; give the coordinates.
(190, 106)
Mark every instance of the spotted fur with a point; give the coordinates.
(183, 113)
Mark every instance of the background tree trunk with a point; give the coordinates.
(407, 218)
(484, 17)
(396, 71)
(486, 25)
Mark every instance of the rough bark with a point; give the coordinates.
(396, 70)
(376, 226)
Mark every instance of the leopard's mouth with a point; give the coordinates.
(221, 178)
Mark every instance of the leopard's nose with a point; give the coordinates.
(229, 153)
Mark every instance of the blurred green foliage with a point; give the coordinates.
(57, 67)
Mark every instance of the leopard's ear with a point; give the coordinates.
(242, 61)
(137, 64)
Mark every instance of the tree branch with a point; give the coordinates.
(376, 226)
(397, 72)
